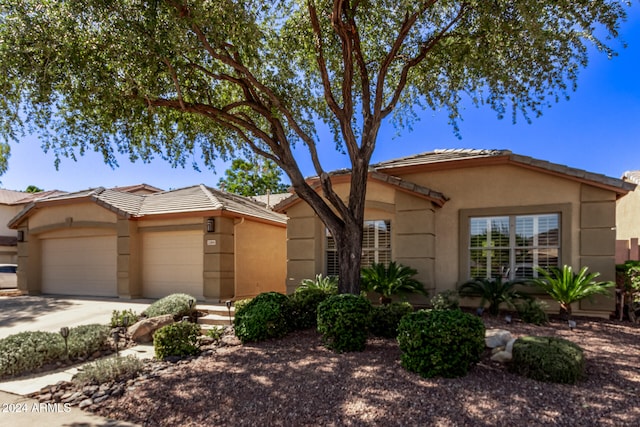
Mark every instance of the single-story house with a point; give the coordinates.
(458, 214)
(11, 203)
(139, 241)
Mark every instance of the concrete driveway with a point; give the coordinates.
(46, 313)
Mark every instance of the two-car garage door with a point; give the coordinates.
(84, 265)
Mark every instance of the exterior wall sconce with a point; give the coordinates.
(20, 236)
(211, 225)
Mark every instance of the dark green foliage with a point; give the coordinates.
(385, 318)
(533, 311)
(446, 300)
(394, 279)
(548, 359)
(566, 287)
(175, 304)
(495, 291)
(86, 339)
(120, 318)
(252, 177)
(303, 307)
(343, 321)
(264, 317)
(177, 339)
(440, 342)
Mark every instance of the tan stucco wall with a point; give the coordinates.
(628, 216)
(260, 261)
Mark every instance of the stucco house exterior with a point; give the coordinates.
(139, 241)
(11, 203)
(628, 221)
(458, 214)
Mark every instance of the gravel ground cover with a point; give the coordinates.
(295, 381)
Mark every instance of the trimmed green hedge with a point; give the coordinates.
(343, 321)
(262, 318)
(549, 359)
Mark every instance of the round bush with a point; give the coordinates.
(177, 339)
(84, 340)
(262, 318)
(343, 321)
(175, 304)
(303, 307)
(548, 359)
(26, 351)
(385, 318)
(442, 343)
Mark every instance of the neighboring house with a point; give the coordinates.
(140, 242)
(457, 214)
(12, 202)
(628, 221)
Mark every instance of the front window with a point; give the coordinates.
(512, 246)
(376, 246)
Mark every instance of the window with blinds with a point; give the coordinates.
(376, 246)
(513, 246)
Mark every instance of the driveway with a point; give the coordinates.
(45, 313)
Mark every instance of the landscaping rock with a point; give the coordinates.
(497, 338)
(142, 331)
(85, 403)
(502, 357)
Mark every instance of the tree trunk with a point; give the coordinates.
(349, 247)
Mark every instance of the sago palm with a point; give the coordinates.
(394, 279)
(567, 287)
(495, 291)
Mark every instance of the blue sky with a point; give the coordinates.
(598, 129)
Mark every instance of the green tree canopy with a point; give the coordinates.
(252, 178)
(178, 79)
(33, 189)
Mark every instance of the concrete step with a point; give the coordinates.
(216, 319)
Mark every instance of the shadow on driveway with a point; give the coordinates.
(16, 310)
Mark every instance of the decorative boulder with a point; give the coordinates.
(497, 338)
(142, 331)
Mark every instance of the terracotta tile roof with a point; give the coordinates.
(198, 198)
(453, 155)
(12, 197)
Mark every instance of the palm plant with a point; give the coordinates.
(394, 279)
(567, 287)
(495, 291)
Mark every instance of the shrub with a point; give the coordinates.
(440, 342)
(240, 303)
(394, 279)
(342, 321)
(385, 318)
(548, 359)
(175, 304)
(86, 339)
(216, 332)
(328, 284)
(303, 307)
(109, 370)
(177, 339)
(262, 318)
(119, 318)
(495, 291)
(566, 287)
(446, 300)
(533, 311)
(27, 351)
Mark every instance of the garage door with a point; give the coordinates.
(172, 262)
(80, 266)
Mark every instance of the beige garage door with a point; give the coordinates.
(172, 262)
(80, 266)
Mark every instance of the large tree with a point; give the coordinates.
(178, 78)
(252, 178)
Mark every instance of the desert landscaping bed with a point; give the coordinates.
(295, 381)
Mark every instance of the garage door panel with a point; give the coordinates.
(80, 266)
(172, 262)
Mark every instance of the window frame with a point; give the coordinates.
(376, 249)
(563, 210)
